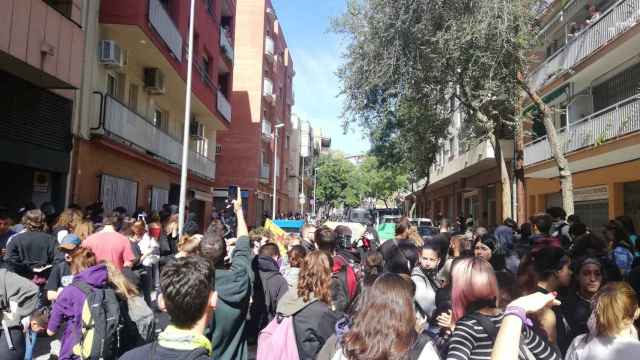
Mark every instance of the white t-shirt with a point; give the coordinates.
(149, 245)
(603, 348)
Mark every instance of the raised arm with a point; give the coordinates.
(507, 343)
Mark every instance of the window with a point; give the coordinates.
(206, 65)
(286, 142)
(200, 142)
(133, 97)
(112, 85)
(160, 119)
(208, 4)
(452, 147)
(62, 6)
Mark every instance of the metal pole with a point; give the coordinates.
(187, 119)
(315, 181)
(275, 165)
(301, 203)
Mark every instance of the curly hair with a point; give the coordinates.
(384, 326)
(315, 277)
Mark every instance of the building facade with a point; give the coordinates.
(131, 115)
(41, 56)
(262, 98)
(589, 73)
(465, 179)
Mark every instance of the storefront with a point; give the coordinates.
(591, 204)
(35, 144)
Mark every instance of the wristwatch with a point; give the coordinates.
(520, 313)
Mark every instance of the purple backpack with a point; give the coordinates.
(278, 341)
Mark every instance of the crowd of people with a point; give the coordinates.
(130, 287)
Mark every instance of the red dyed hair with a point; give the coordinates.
(473, 280)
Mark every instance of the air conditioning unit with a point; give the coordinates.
(110, 54)
(154, 81)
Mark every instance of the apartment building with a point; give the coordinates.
(465, 178)
(41, 55)
(262, 98)
(131, 115)
(589, 73)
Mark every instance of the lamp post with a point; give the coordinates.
(315, 181)
(275, 167)
(187, 118)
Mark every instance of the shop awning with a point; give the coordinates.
(547, 99)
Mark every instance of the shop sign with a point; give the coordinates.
(591, 193)
(41, 182)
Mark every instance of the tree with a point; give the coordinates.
(338, 183)
(380, 183)
(406, 59)
(386, 87)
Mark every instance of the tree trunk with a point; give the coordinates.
(505, 181)
(566, 179)
(519, 174)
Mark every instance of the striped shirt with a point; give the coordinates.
(469, 341)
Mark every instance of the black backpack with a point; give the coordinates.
(101, 323)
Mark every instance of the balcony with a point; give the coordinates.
(269, 48)
(615, 21)
(164, 26)
(267, 91)
(479, 157)
(225, 44)
(266, 130)
(127, 125)
(607, 124)
(41, 44)
(224, 106)
(265, 170)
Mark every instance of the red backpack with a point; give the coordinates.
(342, 267)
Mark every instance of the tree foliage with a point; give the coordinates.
(337, 182)
(380, 183)
(341, 183)
(389, 82)
(406, 59)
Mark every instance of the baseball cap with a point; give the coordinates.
(70, 242)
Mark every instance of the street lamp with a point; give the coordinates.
(275, 160)
(315, 181)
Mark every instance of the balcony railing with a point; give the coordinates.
(269, 47)
(135, 129)
(162, 23)
(224, 106)
(265, 171)
(267, 88)
(266, 129)
(615, 21)
(225, 44)
(609, 123)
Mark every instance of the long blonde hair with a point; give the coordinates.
(124, 288)
(615, 306)
(68, 219)
(83, 229)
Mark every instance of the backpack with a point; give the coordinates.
(421, 341)
(565, 240)
(278, 340)
(344, 272)
(101, 323)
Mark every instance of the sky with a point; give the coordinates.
(317, 54)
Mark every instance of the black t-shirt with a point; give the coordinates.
(60, 277)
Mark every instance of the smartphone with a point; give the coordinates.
(232, 194)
